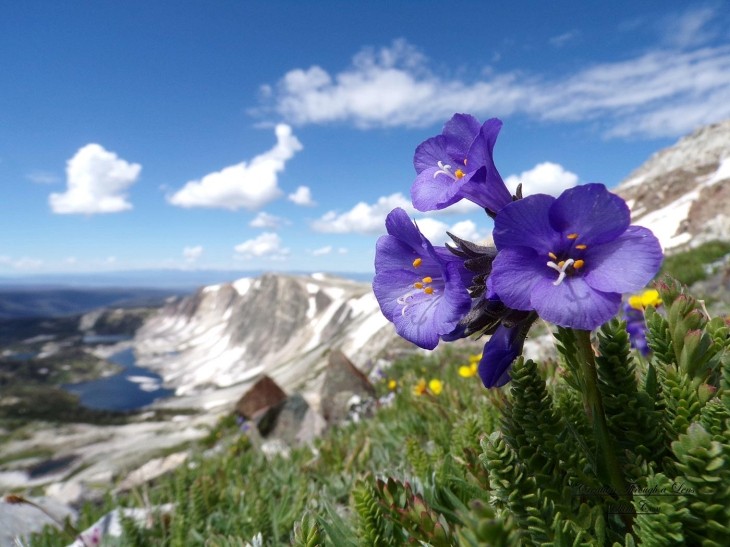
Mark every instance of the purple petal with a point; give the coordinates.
(526, 223)
(515, 271)
(460, 131)
(389, 286)
(500, 351)
(419, 323)
(573, 303)
(430, 192)
(592, 212)
(400, 225)
(625, 264)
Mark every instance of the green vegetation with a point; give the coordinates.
(470, 467)
(692, 265)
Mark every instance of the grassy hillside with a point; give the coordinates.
(450, 463)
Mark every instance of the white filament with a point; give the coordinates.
(560, 270)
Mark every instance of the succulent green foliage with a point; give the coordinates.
(470, 466)
(631, 414)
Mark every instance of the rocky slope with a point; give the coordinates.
(279, 325)
(682, 193)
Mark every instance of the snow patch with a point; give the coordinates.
(633, 182)
(242, 285)
(211, 288)
(722, 173)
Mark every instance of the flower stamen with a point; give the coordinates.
(445, 169)
(582, 246)
(572, 236)
(561, 268)
(417, 262)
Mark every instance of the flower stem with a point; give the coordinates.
(593, 402)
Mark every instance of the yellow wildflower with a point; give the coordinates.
(467, 371)
(649, 297)
(392, 384)
(420, 388)
(436, 386)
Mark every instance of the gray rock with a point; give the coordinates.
(342, 381)
(285, 420)
(19, 520)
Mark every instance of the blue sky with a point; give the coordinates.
(277, 135)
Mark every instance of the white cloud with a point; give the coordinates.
(245, 185)
(302, 196)
(544, 178)
(98, 181)
(266, 245)
(362, 218)
(192, 254)
(689, 28)
(322, 251)
(266, 220)
(435, 231)
(23, 263)
(42, 177)
(467, 229)
(565, 38)
(663, 92)
(342, 250)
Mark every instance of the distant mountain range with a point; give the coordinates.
(186, 280)
(280, 325)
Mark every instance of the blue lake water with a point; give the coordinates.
(130, 389)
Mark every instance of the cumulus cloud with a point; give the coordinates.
(266, 220)
(544, 178)
(664, 92)
(192, 254)
(327, 249)
(23, 263)
(267, 245)
(245, 185)
(362, 218)
(42, 177)
(435, 231)
(302, 196)
(97, 181)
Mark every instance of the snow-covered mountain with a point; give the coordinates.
(682, 193)
(280, 325)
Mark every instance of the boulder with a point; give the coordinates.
(342, 381)
(264, 394)
(285, 420)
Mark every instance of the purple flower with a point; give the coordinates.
(420, 288)
(570, 258)
(636, 327)
(458, 164)
(500, 351)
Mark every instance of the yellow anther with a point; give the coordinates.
(427, 280)
(560, 264)
(418, 285)
(417, 262)
(572, 236)
(582, 246)
(578, 264)
(428, 290)
(552, 255)
(459, 174)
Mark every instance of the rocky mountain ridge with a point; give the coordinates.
(280, 325)
(682, 193)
